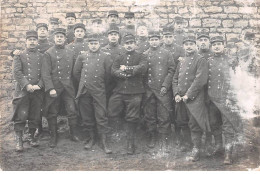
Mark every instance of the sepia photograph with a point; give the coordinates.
(130, 85)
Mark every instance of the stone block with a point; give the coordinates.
(251, 10)
(195, 23)
(230, 9)
(241, 23)
(213, 9)
(211, 22)
(228, 23)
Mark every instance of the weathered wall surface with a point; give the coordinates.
(228, 17)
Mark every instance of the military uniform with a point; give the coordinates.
(128, 29)
(51, 32)
(70, 29)
(142, 44)
(27, 105)
(57, 75)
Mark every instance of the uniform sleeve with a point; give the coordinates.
(171, 70)
(78, 68)
(175, 81)
(46, 72)
(107, 65)
(141, 68)
(115, 71)
(40, 83)
(18, 72)
(200, 80)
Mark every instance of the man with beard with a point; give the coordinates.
(92, 71)
(142, 38)
(203, 43)
(178, 30)
(188, 88)
(128, 69)
(158, 104)
(53, 24)
(129, 27)
(218, 91)
(28, 96)
(57, 77)
(71, 20)
(177, 52)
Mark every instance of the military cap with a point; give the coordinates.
(203, 34)
(249, 35)
(70, 14)
(129, 15)
(113, 28)
(189, 38)
(154, 34)
(54, 20)
(93, 37)
(217, 39)
(178, 19)
(168, 30)
(128, 37)
(98, 20)
(41, 25)
(60, 30)
(79, 25)
(31, 33)
(112, 12)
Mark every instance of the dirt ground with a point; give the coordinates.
(71, 156)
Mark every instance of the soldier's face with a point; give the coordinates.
(217, 47)
(112, 19)
(129, 46)
(113, 37)
(154, 42)
(142, 31)
(31, 42)
(42, 32)
(178, 26)
(70, 20)
(93, 46)
(129, 21)
(59, 39)
(79, 33)
(53, 26)
(189, 47)
(203, 43)
(168, 39)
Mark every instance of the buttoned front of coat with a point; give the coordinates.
(27, 70)
(57, 69)
(176, 51)
(77, 46)
(131, 80)
(113, 50)
(179, 37)
(206, 54)
(44, 45)
(70, 34)
(142, 44)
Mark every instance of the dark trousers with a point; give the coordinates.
(131, 103)
(69, 106)
(92, 109)
(29, 108)
(215, 119)
(156, 113)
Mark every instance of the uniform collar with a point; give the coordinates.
(60, 46)
(79, 39)
(218, 54)
(31, 49)
(112, 45)
(130, 26)
(204, 51)
(70, 27)
(41, 41)
(155, 49)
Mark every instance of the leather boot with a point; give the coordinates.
(105, 144)
(228, 154)
(196, 139)
(19, 141)
(195, 154)
(218, 145)
(91, 141)
(186, 146)
(131, 128)
(32, 140)
(164, 143)
(53, 132)
(178, 137)
(151, 143)
(73, 136)
(208, 144)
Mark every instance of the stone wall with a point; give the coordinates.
(227, 17)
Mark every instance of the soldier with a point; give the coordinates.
(218, 87)
(177, 52)
(129, 24)
(57, 77)
(188, 88)
(114, 49)
(98, 27)
(112, 17)
(178, 30)
(43, 42)
(142, 38)
(92, 70)
(28, 94)
(128, 70)
(53, 24)
(203, 43)
(158, 104)
(71, 20)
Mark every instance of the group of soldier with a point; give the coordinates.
(165, 78)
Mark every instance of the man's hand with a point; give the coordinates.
(122, 67)
(163, 91)
(185, 98)
(178, 98)
(36, 87)
(17, 52)
(29, 88)
(53, 93)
